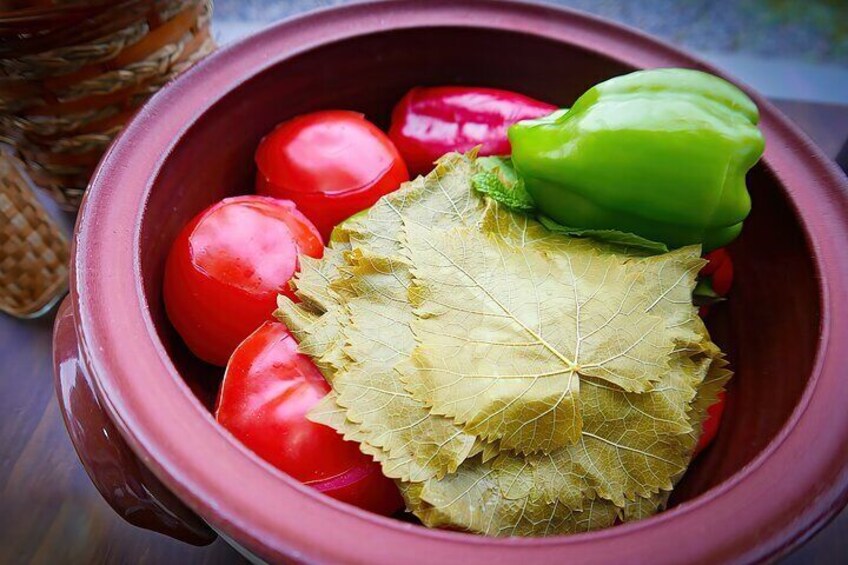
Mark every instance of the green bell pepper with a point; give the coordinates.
(660, 153)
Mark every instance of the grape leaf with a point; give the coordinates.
(376, 309)
(472, 498)
(318, 335)
(297, 318)
(642, 508)
(442, 198)
(400, 434)
(632, 444)
(418, 444)
(505, 332)
(670, 278)
(517, 478)
(312, 284)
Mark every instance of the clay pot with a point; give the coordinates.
(778, 469)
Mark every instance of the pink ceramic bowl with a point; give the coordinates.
(138, 406)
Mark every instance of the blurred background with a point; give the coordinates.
(806, 42)
(792, 51)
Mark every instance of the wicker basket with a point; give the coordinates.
(33, 251)
(72, 74)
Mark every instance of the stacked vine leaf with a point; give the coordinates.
(512, 380)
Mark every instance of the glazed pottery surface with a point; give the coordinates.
(778, 468)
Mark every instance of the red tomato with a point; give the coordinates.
(715, 259)
(723, 277)
(719, 269)
(332, 164)
(227, 266)
(711, 424)
(429, 122)
(267, 391)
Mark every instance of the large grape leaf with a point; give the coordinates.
(670, 278)
(356, 320)
(633, 445)
(416, 444)
(443, 198)
(506, 332)
(472, 499)
(516, 479)
(379, 411)
(511, 484)
(329, 413)
(367, 304)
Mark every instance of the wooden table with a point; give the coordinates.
(51, 513)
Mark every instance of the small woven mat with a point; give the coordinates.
(33, 251)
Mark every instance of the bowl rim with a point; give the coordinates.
(247, 500)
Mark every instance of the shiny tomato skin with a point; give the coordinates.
(723, 277)
(431, 121)
(332, 164)
(226, 267)
(266, 393)
(715, 259)
(712, 423)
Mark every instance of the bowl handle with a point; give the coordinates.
(128, 486)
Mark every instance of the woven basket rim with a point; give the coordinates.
(34, 30)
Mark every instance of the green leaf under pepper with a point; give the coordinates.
(612, 237)
(499, 181)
